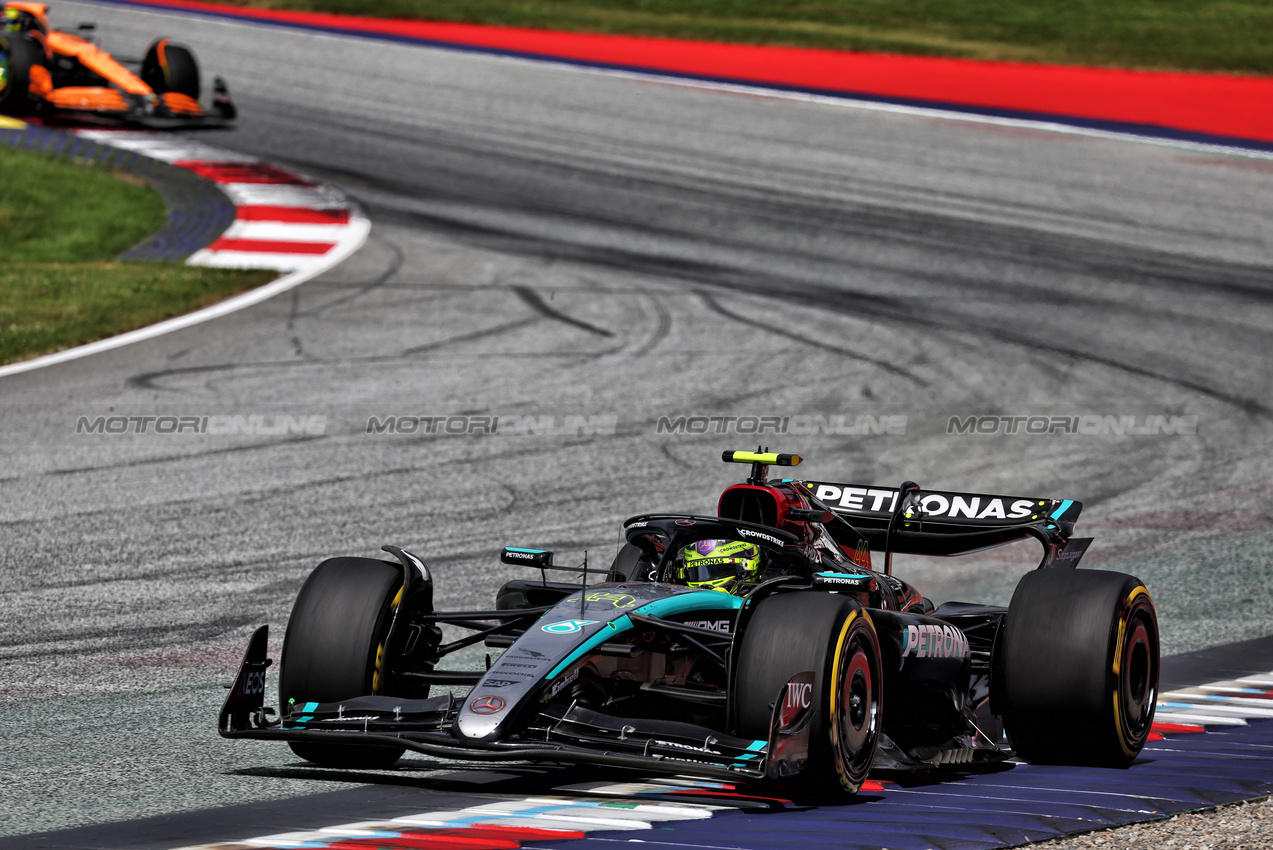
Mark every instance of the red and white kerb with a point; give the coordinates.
(283, 220)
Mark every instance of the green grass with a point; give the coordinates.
(61, 225)
(1204, 35)
(52, 210)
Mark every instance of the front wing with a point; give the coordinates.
(111, 118)
(574, 734)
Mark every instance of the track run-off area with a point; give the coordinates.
(589, 258)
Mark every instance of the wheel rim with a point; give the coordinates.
(378, 673)
(856, 697)
(857, 721)
(1137, 693)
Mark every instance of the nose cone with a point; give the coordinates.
(479, 719)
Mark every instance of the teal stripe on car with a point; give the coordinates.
(694, 601)
(308, 708)
(1065, 506)
(756, 748)
(697, 600)
(603, 634)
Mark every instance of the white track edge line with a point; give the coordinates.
(359, 226)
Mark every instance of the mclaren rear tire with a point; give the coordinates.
(171, 67)
(334, 648)
(832, 637)
(1079, 667)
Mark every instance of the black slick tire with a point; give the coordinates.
(833, 637)
(20, 55)
(170, 67)
(333, 648)
(1079, 667)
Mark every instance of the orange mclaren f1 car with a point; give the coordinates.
(49, 74)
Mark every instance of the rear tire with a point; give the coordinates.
(333, 648)
(20, 54)
(1079, 667)
(170, 67)
(834, 637)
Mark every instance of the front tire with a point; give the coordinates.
(1080, 667)
(170, 67)
(334, 648)
(834, 637)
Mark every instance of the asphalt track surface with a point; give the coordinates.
(551, 242)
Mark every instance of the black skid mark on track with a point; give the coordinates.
(877, 223)
(244, 498)
(523, 453)
(395, 266)
(666, 450)
(892, 368)
(297, 345)
(186, 457)
(496, 238)
(146, 380)
(894, 311)
(117, 639)
(469, 337)
(977, 242)
(967, 242)
(536, 302)
(294, 311)
(662, 327)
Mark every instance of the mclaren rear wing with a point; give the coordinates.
(910, 520)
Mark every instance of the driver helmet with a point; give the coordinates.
(18, 20)
(718, 564)
(15, 20)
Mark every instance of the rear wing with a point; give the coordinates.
(960, 510)
(939, 522)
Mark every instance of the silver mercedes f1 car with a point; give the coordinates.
(769, 642)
